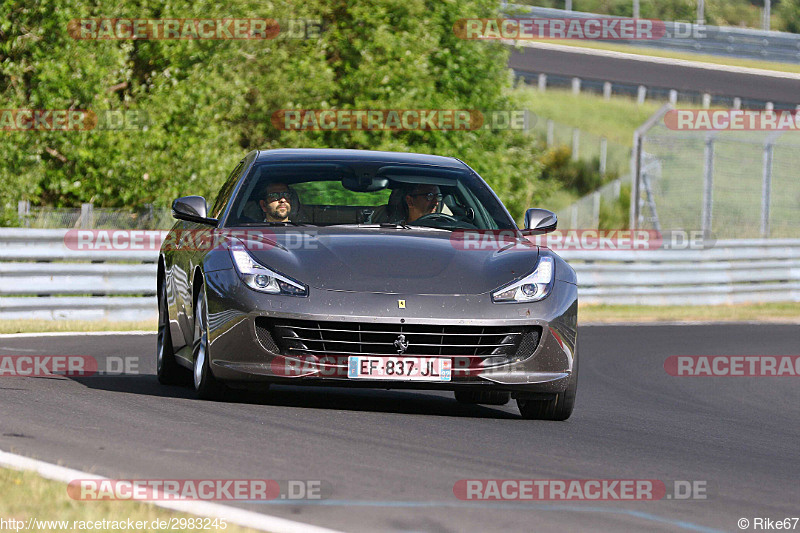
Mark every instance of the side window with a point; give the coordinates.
(225, 194)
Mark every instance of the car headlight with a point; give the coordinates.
(258, 277)
(532, 288)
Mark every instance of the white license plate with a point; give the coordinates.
(399, 368)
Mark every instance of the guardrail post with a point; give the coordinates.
(542, 83)
(706, 100)
(766, 188)
(767, 14)
(567, 5)
(603, 154)
(607, 90)
(574, 217)
(576, 86)
(673, 96)
(641, 94)
(769, 106)
(636, 9)
(87, 216)
(550, 132)
(708, 185)
(737, 103)
(576, 141)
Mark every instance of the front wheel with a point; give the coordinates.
(560, 407)
(205, 384)
(167, 368)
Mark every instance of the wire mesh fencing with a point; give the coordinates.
(731, 184)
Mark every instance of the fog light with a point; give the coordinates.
(262, 280)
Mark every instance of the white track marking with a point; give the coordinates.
(233, 515)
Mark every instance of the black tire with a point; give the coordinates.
(560, 407)
(483, 397)
(167, 368)
(205, 384)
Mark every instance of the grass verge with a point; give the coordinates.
(779, 312)
(26, 495)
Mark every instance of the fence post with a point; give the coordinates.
(576, 142)
(550, 133)
(766, 188)
(23, 211)
(87, 216)
(542, 82)
(708, 185)
(603, 154)
(596, 210)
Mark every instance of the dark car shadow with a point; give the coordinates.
(322, 397)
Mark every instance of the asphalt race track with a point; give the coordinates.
(392, 458)
(651, 74)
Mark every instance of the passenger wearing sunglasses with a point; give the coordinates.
(277, 202)
(422, 200)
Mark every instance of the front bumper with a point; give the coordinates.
(239, 355)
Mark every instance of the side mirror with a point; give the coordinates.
(539, 221)
(192, 209)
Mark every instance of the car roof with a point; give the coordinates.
(328, 154)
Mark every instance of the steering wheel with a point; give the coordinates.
(441, 221)
(444, 217)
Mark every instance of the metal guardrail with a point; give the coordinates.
(41, 279)
(685, 37)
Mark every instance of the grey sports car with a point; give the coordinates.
(366, 269)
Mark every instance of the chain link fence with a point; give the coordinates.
(731, 184)
(89, 217)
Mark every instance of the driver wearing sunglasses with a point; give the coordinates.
(277, 202)
(422, 200)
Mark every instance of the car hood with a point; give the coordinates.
(393, 260)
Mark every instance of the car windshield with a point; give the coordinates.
(363, 193)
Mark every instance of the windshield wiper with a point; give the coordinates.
(394, 225)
